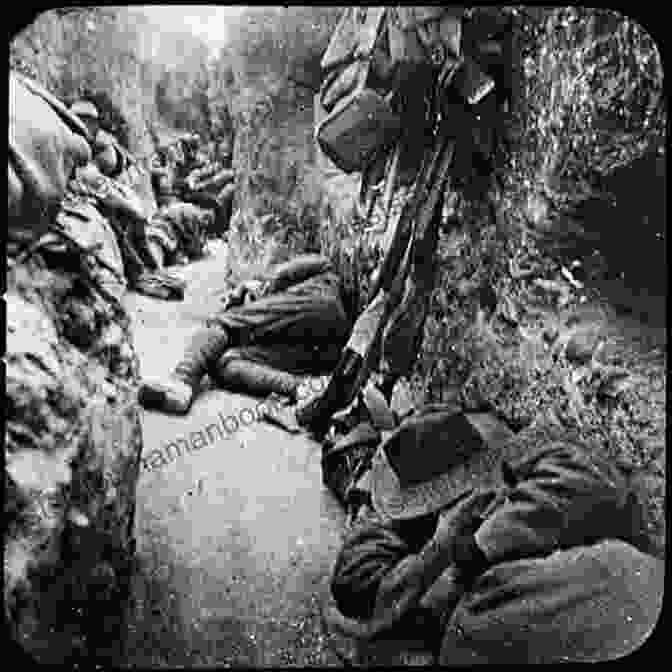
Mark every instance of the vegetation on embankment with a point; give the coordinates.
(519, 324)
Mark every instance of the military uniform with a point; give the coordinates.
(123, 210)
(545, 565)
(300, 329)
(213, 186)
(179, 228)
(81, 218)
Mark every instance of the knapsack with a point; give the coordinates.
(381, 58)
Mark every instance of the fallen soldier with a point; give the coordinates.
(176, 232)
(269, 332)
(535, 556)
(104, 183)
(123, 210)
(213, 186)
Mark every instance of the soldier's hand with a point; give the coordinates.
(460, 520)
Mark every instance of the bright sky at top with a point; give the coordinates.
(207, 21)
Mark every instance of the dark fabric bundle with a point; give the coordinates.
(586, 604)
(365, 558)
(46, 144)
(345, 462)
(308, 313)
(180, 227)
(296, 271)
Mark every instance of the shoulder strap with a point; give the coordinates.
(354, 37)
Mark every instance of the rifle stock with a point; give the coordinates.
(417, 217)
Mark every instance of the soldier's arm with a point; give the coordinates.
(297, 270)
(563, 497)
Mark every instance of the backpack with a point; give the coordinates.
(359, 121)
(383, 61)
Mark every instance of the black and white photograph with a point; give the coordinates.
(327, 328)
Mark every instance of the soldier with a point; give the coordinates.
(530, 550)
(213, 186)
(46, 144)
(294, 322)
(117, 202)
(176, 232)
(162, 174)
(187, 162)
(107, 152)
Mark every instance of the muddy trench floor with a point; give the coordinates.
(235, 540)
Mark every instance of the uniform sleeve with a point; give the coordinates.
(297, 270)
(367, 556)
(564, 497)
(384, 570)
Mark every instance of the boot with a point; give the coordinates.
(175, 393)
(316, 415)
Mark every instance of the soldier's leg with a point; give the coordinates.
(255, 378)
(176, 392)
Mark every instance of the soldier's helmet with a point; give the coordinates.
(85, 109)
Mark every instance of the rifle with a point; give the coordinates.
(419, 221)
(411, 243)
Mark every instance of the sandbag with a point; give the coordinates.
(46, 143)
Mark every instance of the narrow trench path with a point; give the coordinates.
(235, 540)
